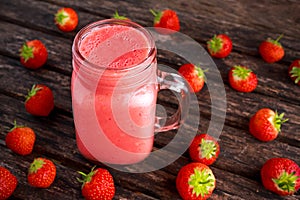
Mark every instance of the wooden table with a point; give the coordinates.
(238, 167)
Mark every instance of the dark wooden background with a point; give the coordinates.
(238, 166)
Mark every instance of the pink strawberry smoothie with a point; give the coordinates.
(113, 102)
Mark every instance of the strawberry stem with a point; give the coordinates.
(276, 42)
(117, 16)
(157, 15)
(286, 181)
(16, 126)
(86, 178)
(279, 37)
(201, 181)
(153, 12)
(32, 92)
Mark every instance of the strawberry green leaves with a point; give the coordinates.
(208, 148)
(200, 182)
(241, 72)
(32, 92)
(286, 181)
(279, 120)
(26, 52)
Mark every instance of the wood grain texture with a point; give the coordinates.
(238, 166)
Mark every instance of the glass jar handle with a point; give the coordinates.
(178, 85)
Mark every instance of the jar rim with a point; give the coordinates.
(84, 31)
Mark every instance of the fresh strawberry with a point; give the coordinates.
(271, 50)
(20, 139)
(294, 71)
(194, 75)
(265, 124)
(33, 54)
(242, 79)
(281, 176)
(39, 101)
(219, 46)
(204, 149)
(166, 21)
(41, 173)
(117, 16)
(8, 183)
(98, 184)
(195, 181)
(66, 19)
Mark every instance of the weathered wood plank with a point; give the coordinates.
(239, 20)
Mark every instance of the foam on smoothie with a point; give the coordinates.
(114, 46)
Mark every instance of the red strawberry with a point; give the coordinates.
(194, 75)
(41, 173)
(204, 149)
(195, 181)
(117, 16)
(33, 54)
(98, 184)
(8, 183)
(271, 50)
(219, 46)
(265, 124)
(39, 101)
(294, 71)
(166, 19)
(66, 19)
(242, 79)
(20, 139)
(281, 176)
